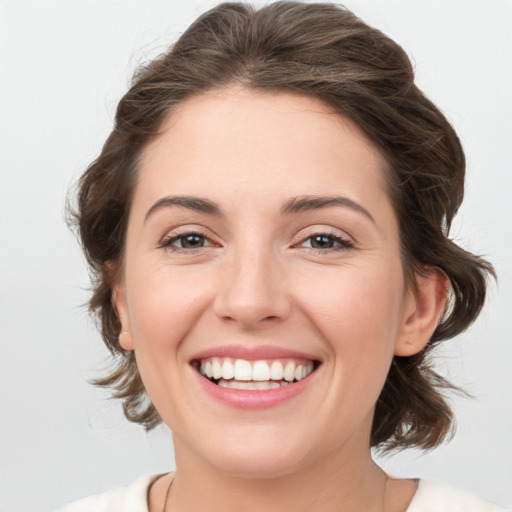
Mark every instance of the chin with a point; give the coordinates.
(258, 457)
(257, 466)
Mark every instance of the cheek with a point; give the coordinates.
(164, 305)
(357, 311)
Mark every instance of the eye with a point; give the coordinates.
(186, 242)
(326, 242)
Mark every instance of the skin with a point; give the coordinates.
(257, 277)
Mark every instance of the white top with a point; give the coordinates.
(429, 497)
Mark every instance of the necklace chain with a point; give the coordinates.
(167, 494)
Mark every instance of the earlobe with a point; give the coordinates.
(121, 307)
(423, 309)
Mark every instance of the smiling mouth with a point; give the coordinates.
(254, 375)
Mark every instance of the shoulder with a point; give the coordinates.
(436, 497)
(132, 498)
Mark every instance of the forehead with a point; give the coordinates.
(253, 142)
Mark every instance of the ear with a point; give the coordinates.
(121, 306)
(423, 307)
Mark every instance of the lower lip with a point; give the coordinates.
(254, 399)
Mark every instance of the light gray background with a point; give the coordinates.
(63, 67)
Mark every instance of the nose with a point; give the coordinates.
(253, 291)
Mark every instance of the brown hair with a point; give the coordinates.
(324, 51)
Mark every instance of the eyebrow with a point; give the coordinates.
(305, 203)
(293, 205)
(190, 202)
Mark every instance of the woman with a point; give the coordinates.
(268, 229)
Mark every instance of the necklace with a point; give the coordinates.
(164, 508)
(167, 494)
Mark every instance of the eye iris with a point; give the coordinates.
(322, 242)
(192, 241)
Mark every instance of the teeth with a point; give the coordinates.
(235, 384)
(289, 371)
(260, 371)
(298, 372)
(226, 369)
(216, 368)
(243, 370)
(276, 371)
(208, 369)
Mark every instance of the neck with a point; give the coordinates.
(352, 483)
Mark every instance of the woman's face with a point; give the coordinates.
(262, 245)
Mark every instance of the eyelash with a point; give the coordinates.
(168, 241)
(343, 243)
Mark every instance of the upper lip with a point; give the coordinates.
(252, 353)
